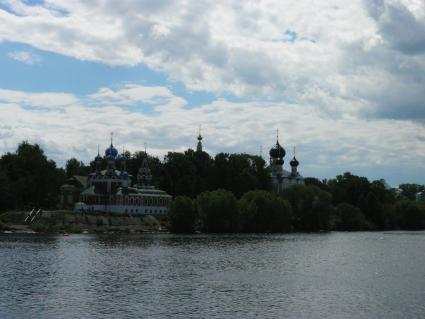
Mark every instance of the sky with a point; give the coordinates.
(342, 81)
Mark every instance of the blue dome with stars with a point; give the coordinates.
(111, 151)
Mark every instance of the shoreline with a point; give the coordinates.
(60, 221)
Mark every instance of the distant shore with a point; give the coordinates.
(59, 221)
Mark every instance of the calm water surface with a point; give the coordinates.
(333, 275)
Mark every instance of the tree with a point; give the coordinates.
(6, 200)
(348, 188)
(373, 210)
(183, 215)
(262, 211)
(312, 207)
(411, 215)
(349, 217)
(33, 179)
(240, 173)
(409, 191)
(218, 211)
(75, 167)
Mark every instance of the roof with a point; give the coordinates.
(76, 181)
(129, 191)
(142, 191)
(81, 179)
(104, 172)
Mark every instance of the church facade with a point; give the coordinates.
(111, 190)
(281, 178)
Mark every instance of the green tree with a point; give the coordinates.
(75, 167)
(240, 173)
(183, 215)
(348, 188)
(409, 191)
(373, 210)
(411, 214)
(312, 207)
(33, 179)
(262, 211)
(6, 200)
(349, 217)
(218, 211)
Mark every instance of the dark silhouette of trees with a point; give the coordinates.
(218, 211)
(183, 215)
(411, 215)
(232, 192)
(409, 191)
(312, 207)
(264, 212)
(30, 179)
(349, 217)
(75, 167)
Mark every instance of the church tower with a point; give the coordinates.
(144, 175)
(277, 153)
(199, 146)
(294, 165)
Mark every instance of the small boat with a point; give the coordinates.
(65, 233)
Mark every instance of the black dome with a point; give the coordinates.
(277, 151)
(294, 162)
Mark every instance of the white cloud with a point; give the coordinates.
(24, 57)
(158, 96)
(325, 145)
(343, 57)
(38, 100)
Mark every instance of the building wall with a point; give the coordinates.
(130, 209)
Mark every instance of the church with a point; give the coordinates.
(111, 190)
(281, 178)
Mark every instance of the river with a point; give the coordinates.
(327, 275)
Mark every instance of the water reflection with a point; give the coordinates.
(333, 275)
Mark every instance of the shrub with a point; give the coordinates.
(262, 211)
(183, 215)
(218, 211)
(349, 217)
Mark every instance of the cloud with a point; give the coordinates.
(158, 97)
(400, 23)
(326, 146)
(357, 58)
(25, 57)
(52, 100)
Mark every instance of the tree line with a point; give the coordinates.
(226, 193)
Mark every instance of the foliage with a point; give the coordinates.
(409, 191)
(182, 214)
(411, 215)
(218, 211)
(347, 202)
(312, 207)
(75, 167)
(349, 217)
(262, 211)
(29, 177)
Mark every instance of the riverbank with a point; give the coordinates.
(60, 221)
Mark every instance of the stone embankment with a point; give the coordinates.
(59, 221)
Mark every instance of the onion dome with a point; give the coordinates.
(124, 174)
(123, 157)
(98, 158)
(110, 157)
(277, 151)
(294, 162)
(112, 151)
